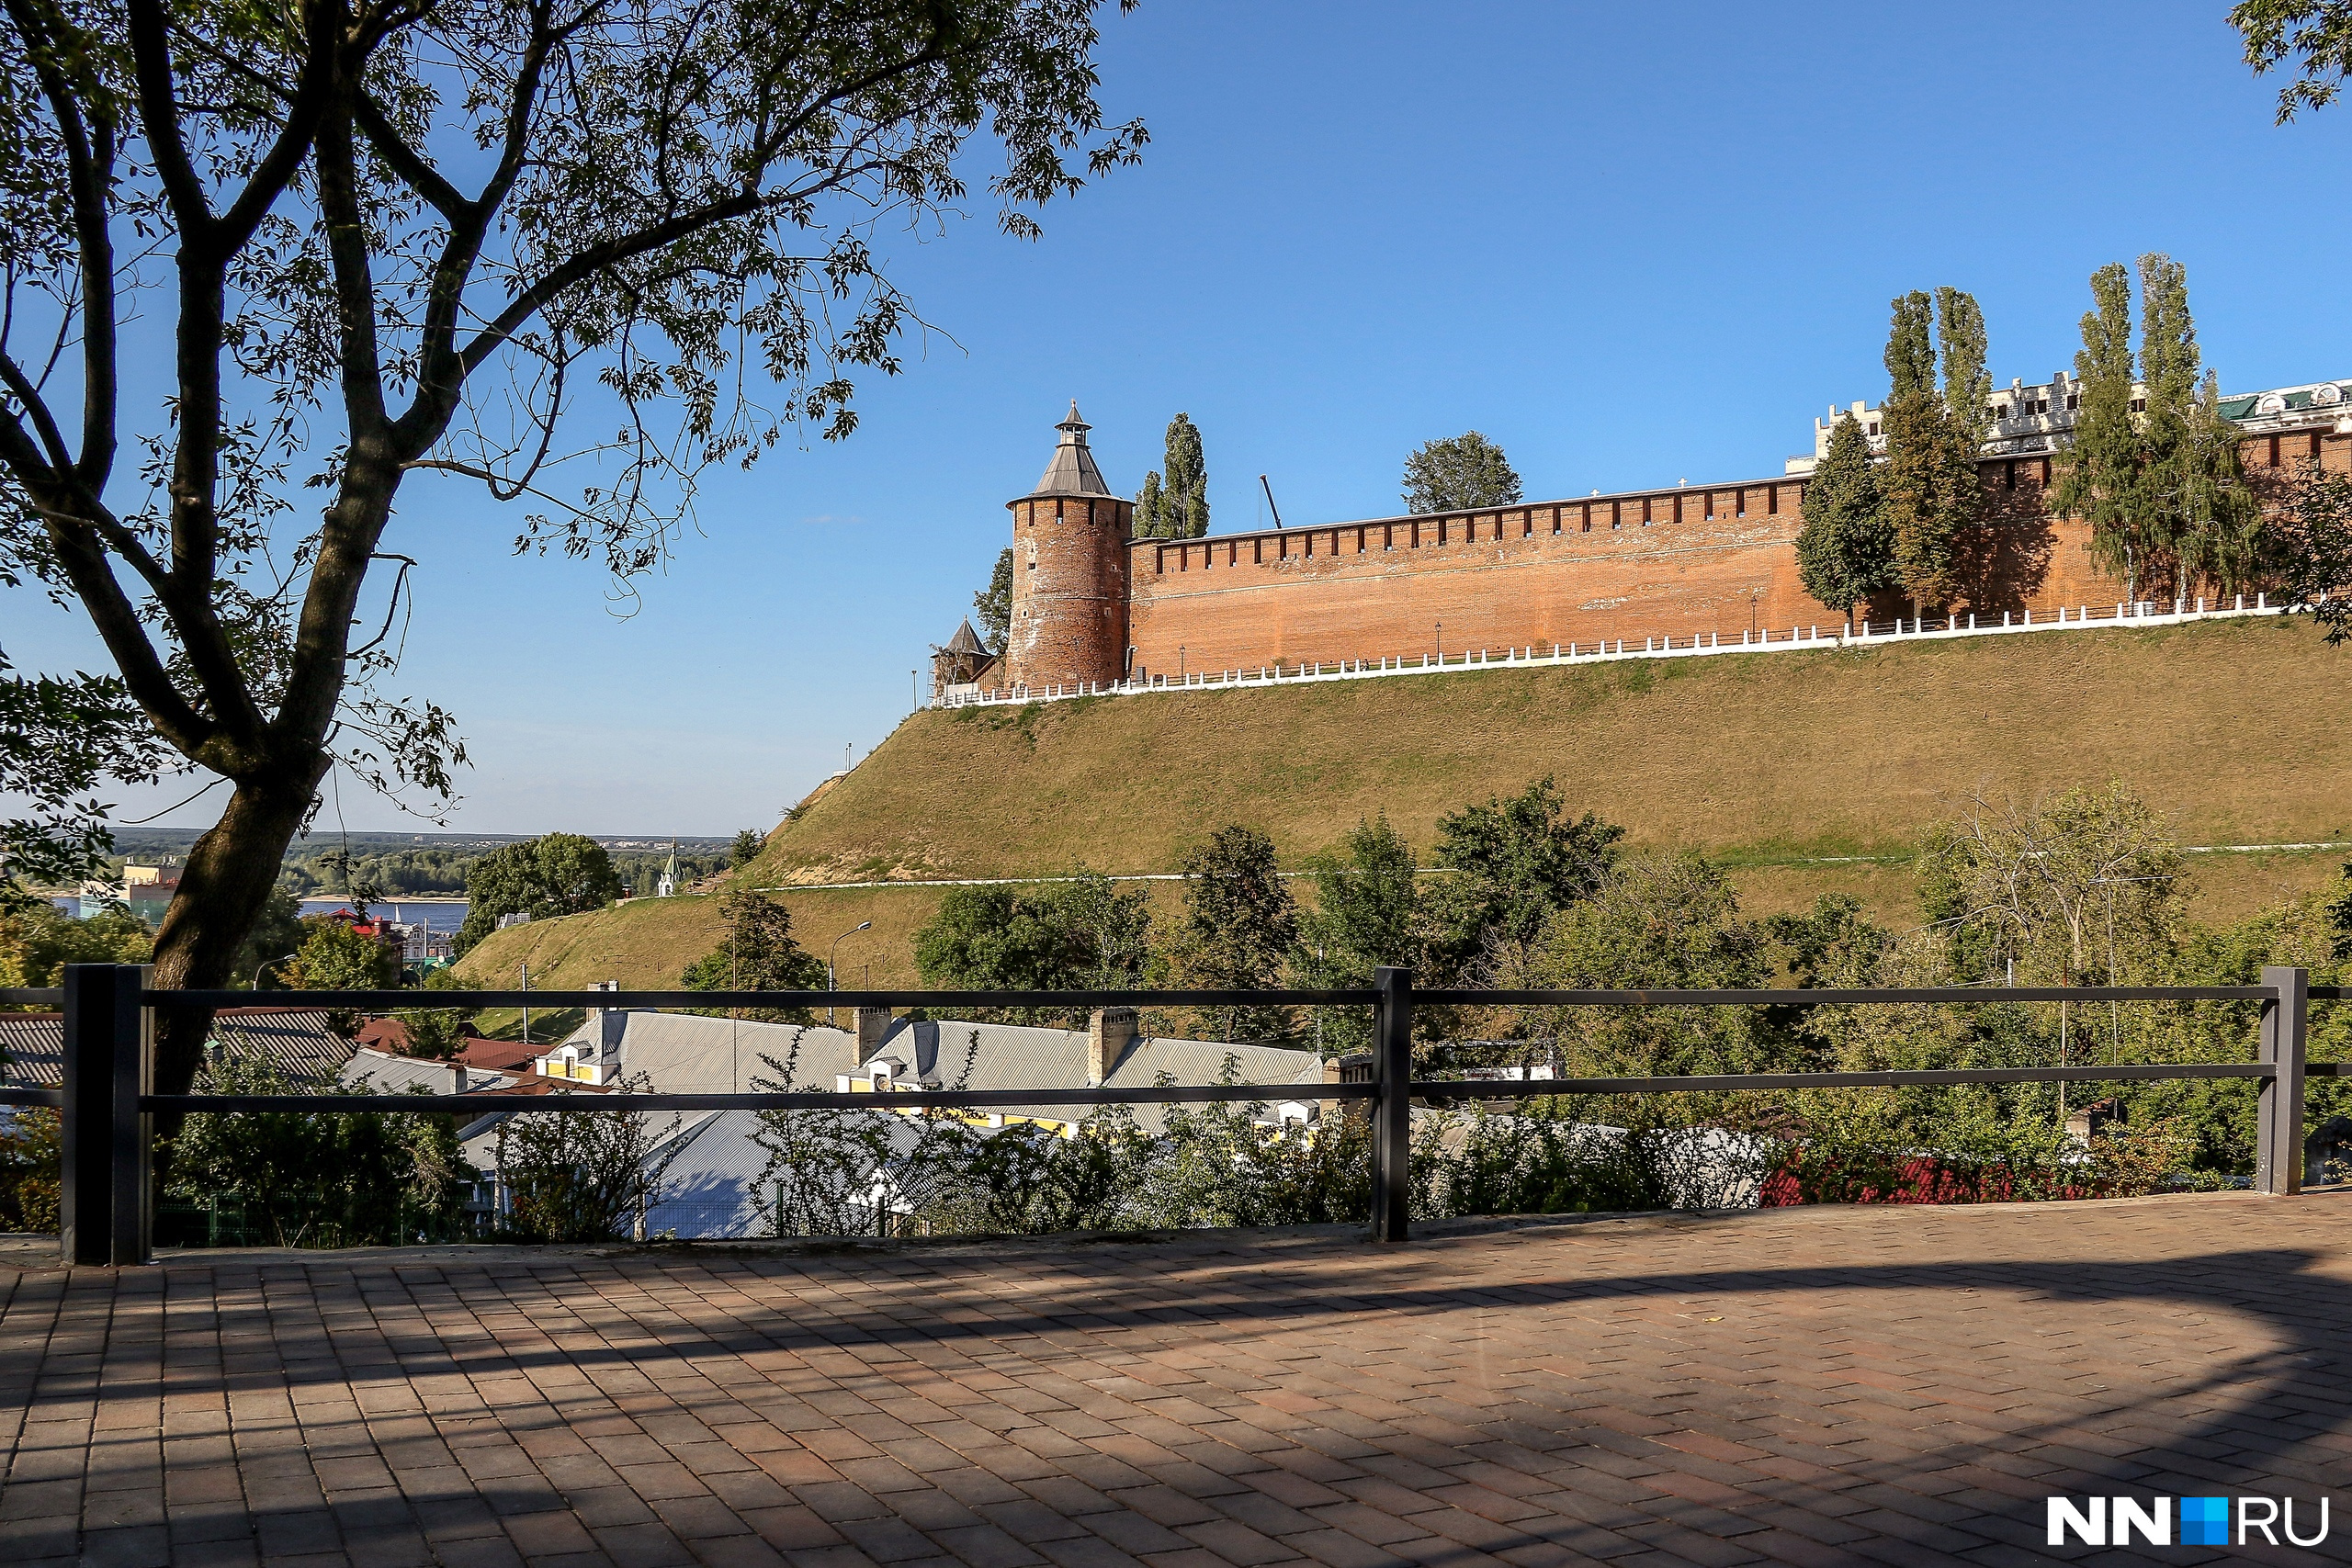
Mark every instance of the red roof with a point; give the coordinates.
(499, 1056)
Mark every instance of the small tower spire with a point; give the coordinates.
(1072, 471)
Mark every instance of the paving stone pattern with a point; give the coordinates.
(1797, 1386)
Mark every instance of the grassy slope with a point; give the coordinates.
(1764, 761)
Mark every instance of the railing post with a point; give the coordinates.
(1392, 1107)
(108, 1062)
(2278, 1123)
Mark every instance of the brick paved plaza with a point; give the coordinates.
(1800, 1386)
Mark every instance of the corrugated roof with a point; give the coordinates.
(686, 1053)
(295, 1040)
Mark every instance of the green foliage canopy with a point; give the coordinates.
(993, 605)
(555, 874)
(1083, 934)
(1458, 475)
(2159, 483)
(1928, 485)
(36, 940)
(2316, 35)
(1176, 507)
(760, 953)
(1238, 929)
(2314, 544)
(319, 1178)
(361, 225)
(1520, 861)
(1845, 547)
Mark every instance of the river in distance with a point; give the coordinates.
(437, 914)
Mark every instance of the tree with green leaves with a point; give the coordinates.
(393, 239)
(62, 740)
(1460, 475)
(2161, 485)
(2312, 543)
(1237, 930)
(1929, 481)
(319, 1178)
(2315, 35)
(1967, 385)
(335, 957)
(1367, 913)
(1176, 506)
(37, 940)
(1518, 861)
(1845, 549)
(555, 874)
(2197, 514)
(1083, 934)
(2098, 473)
(993, 605)
(1657, 922)
(758, 953)
(745, 849)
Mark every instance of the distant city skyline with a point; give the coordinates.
(1631, 247)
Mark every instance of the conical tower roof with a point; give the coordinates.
(1072, 472)
(966, 640)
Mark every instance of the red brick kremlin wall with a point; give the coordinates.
(1643, 563)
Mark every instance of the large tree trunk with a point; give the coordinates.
(227, 880)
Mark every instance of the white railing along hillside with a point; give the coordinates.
(1697, 645)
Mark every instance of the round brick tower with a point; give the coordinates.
(1070, 572)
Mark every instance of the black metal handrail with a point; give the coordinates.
(109, 1096)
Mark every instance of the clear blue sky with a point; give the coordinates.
(1633, 244)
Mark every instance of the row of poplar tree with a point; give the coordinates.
(2151, 464)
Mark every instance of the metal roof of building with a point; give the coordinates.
(1072, 471)
(688, 1053)
(294, 1039)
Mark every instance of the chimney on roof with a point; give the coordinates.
(1109, 1032)
(873, 1024)
(605, 1026)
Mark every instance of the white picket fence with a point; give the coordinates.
(1698, 645)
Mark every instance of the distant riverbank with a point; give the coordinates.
(444, 912)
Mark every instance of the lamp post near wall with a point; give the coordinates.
(1441, 642)
(829, 960)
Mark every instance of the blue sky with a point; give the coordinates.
(1633, 244)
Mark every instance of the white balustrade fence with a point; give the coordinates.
(1696, 645)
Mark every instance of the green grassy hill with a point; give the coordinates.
(1810, 771)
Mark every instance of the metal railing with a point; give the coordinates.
(108, 1101)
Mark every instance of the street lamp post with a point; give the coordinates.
(829, 959)
(265, 964)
